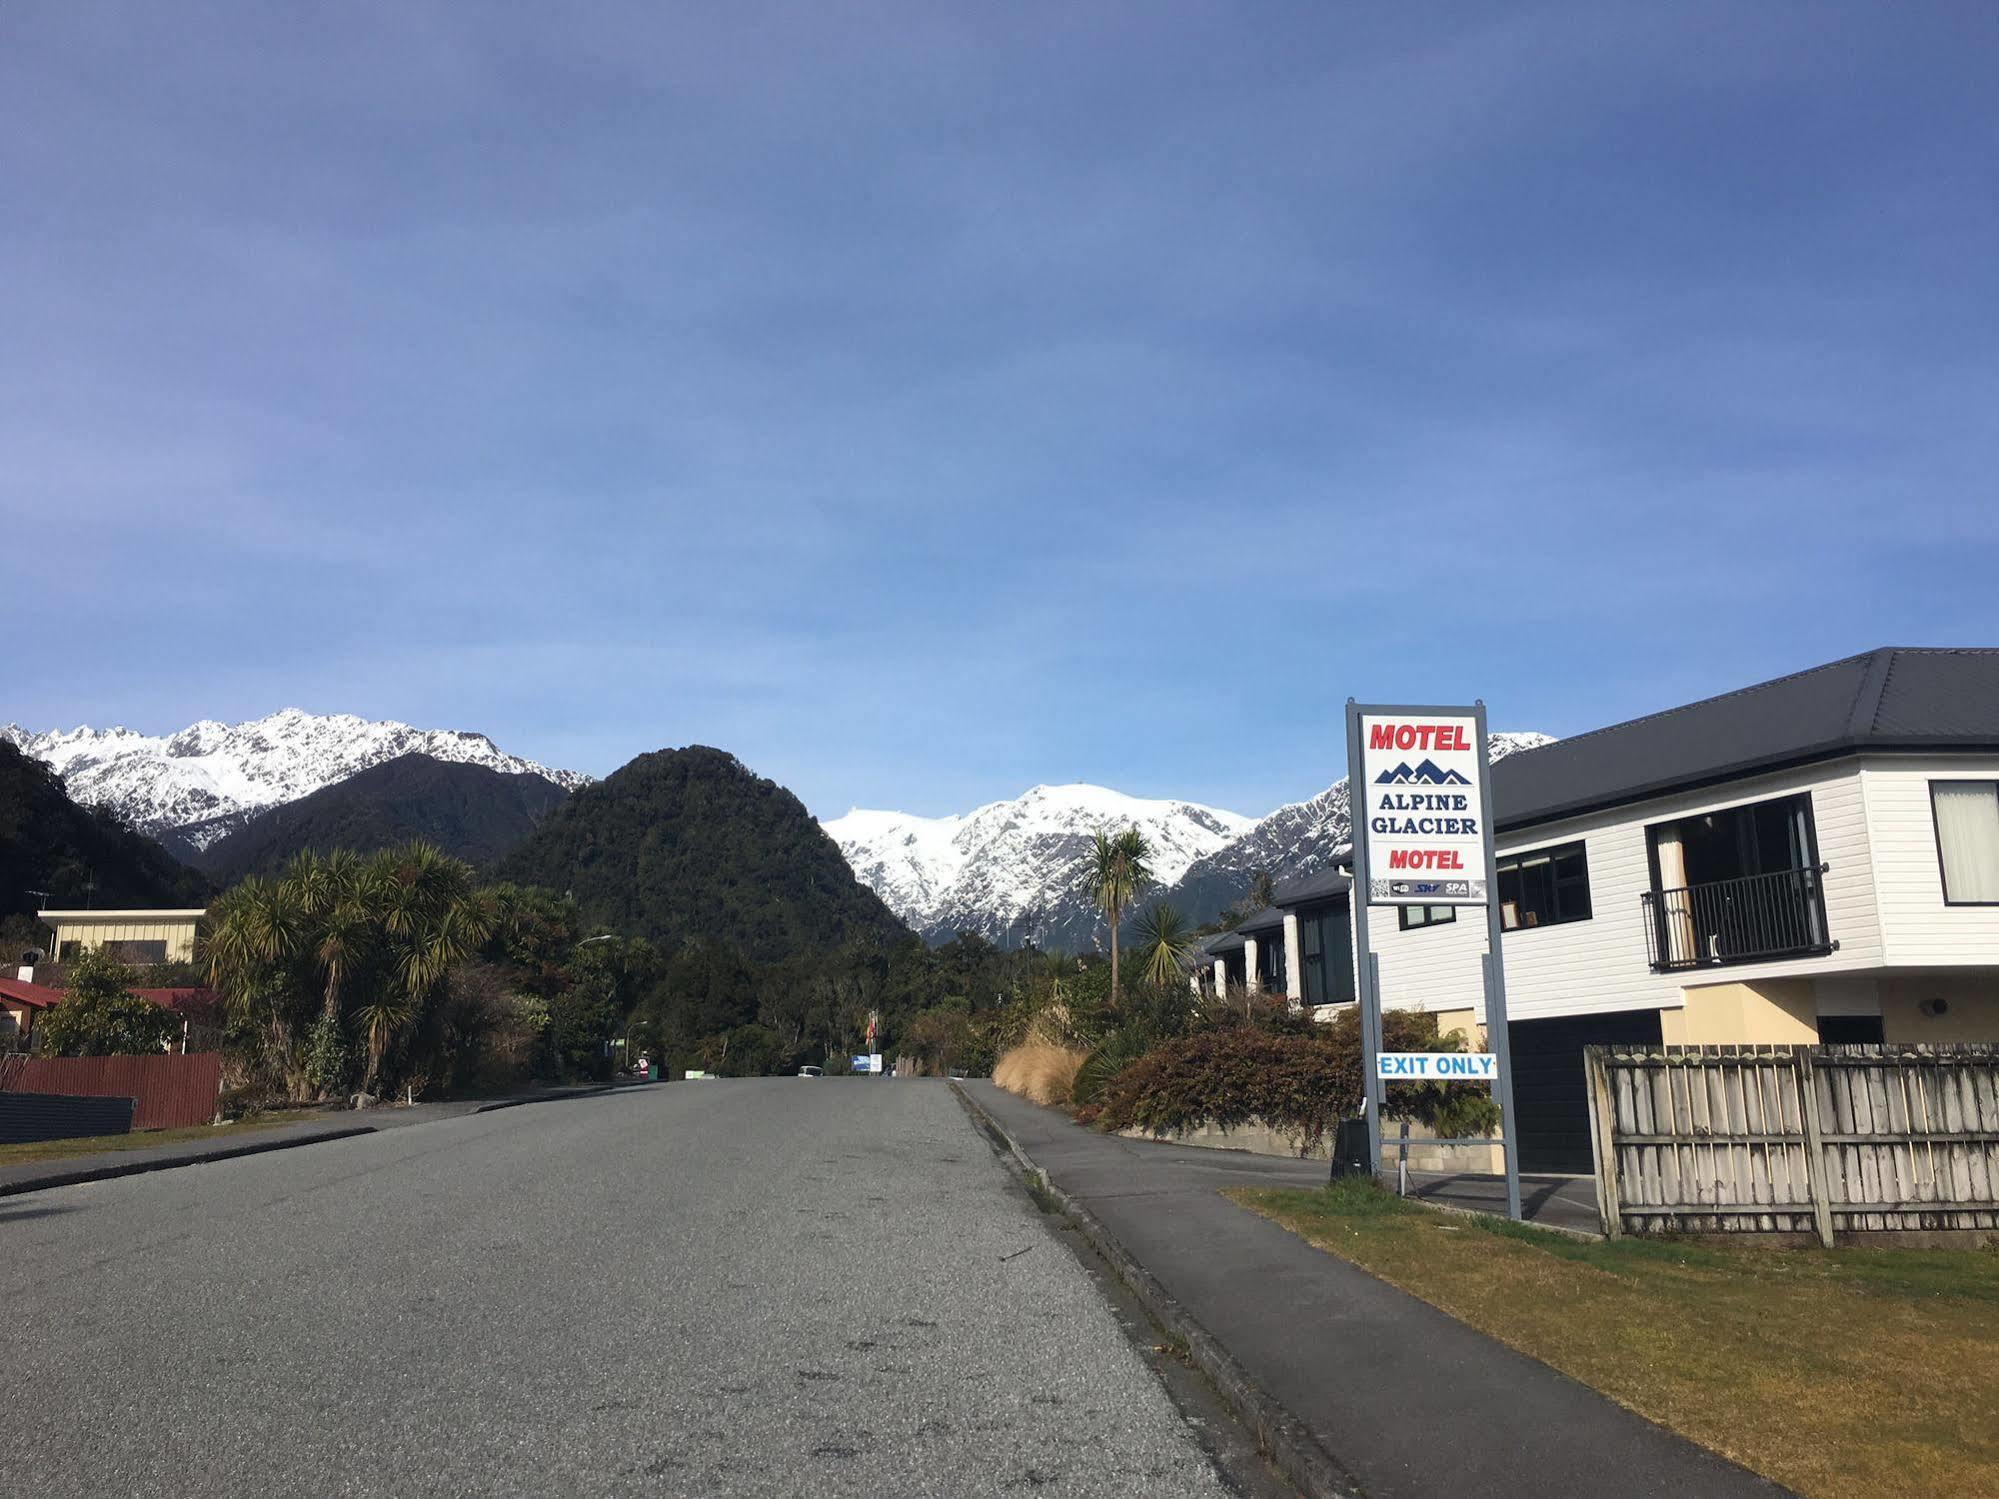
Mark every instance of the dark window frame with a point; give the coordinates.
(136, 952)
(1936, 834)
(1514, 862)
(1432, 916)
(1314, 925)
(1872, 1024)
(1795, 798)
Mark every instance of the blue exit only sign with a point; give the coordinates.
(1436, 1066)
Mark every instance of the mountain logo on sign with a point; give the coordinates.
(1429, 773)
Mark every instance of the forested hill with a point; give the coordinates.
(688, 843)
(471, 812)
(75, 854)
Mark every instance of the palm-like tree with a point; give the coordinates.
(1262, 891)
(257, 936)
(380, 1020)
(379, 934)
(1120, 867)
(432, 920)
(1165, 944)
(334, 895)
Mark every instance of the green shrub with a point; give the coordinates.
(1303, 1081)
(1106, 1060)
(99, 1016)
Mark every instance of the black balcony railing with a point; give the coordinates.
(1747, 920)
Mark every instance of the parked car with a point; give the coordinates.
(810, 1071)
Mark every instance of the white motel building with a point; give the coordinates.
(1811, 859)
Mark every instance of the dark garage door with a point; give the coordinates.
(1549, 1094)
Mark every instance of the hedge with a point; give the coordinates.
(1301, 1081)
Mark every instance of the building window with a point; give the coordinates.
(1325, 955)
(140, 950)
(1967, 821)
(1270, 961)
(1411, 917)
(1544, 888)
(1850, 1030)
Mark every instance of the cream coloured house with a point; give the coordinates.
(132, 936)
(1814, 858)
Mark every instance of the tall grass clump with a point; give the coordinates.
(1040, 1071)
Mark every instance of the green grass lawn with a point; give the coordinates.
(1847, 1372)
(62, 1150)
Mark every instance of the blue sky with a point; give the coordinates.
(923, 401)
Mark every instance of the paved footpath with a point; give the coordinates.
(769, 1287)
(1413, 1403)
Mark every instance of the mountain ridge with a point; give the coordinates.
(690, 844)
(471, 812)
(195, 786)
(1013, 871)
(1292, 841)
(56, 853)
(1020, 877)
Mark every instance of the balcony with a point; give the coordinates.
(1753, 919)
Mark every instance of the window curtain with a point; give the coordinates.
(1676, 916)
(1968, 839)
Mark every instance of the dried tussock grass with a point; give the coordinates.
(1039, 1071)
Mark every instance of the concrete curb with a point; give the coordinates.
(515, 1103)
(1285, 1440)
(112, 1171)
(170, 1163)
(1581, 1234)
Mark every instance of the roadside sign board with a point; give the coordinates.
(874, 1061)
(860, 1062)
(1422, 808)
(1436, 1066)
(1420, 779)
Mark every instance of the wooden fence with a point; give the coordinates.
(169, 1092)
(1795, 1139)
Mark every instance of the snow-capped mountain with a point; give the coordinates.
(1294, 840)
(1014, 871)
(189, 789)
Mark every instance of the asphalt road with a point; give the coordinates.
(776, 1287)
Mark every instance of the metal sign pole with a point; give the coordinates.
(1366, 976)
(1497, 1039)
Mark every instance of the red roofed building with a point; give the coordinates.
(21, 1000)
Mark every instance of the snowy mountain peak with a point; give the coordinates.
(204, 779)
(1013, 870)
(1296, 839)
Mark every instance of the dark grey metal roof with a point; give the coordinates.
(1893, 698)
(1222, 942)
(1307, 889)
(1258, 922)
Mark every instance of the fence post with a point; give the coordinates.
(1603, 1141)
(1808, 1114)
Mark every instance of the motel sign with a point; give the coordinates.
(1423, 808)
(1418, 781)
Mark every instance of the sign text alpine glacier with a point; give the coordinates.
(1424, 818)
